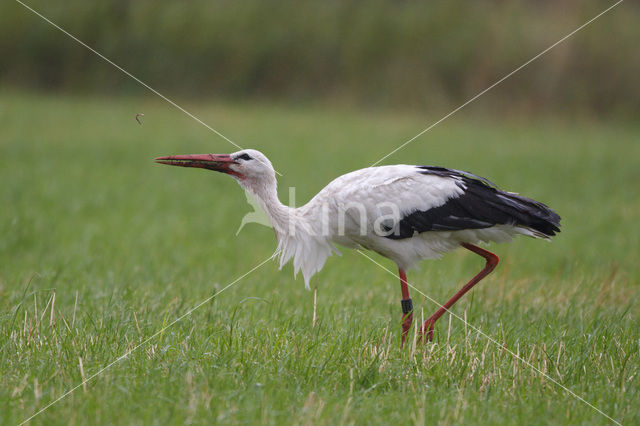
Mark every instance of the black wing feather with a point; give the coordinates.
(481, 205)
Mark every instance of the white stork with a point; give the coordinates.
(403, 212)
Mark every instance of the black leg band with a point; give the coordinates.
(407, 306)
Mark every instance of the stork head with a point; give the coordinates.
(249, 167)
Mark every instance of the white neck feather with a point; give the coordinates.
(298, 230)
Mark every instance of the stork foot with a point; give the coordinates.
(426, 331)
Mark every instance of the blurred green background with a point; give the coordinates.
(390, 54)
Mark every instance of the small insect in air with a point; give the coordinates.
(138, 115)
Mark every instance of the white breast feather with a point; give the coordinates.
(308, 247)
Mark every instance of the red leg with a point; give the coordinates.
(407, 305)
(492, 261)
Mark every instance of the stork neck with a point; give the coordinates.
(266, 194)
(296, 229)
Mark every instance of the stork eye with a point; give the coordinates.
(245, 157)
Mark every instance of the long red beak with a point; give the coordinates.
(217, 162)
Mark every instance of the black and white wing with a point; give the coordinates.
(478, 204)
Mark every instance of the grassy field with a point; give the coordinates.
(100, 248)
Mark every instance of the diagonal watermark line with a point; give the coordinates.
(496, 83)
(501, 346)
(145, 341)
(127, 73)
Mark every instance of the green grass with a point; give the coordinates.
(126, 247)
